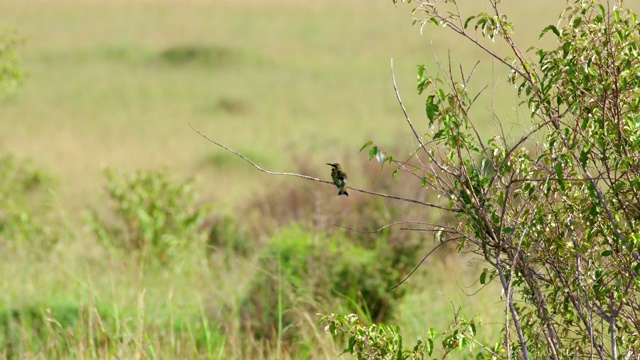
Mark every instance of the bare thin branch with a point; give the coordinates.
(383, 227)
(435, 206)
(253, 163)
(404, 110)
(419, 264)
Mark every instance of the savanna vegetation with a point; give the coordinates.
(125, 234)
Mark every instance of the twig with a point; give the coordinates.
(253, 163)
(319, 180)
(413, 129)
(382, 227)
(419, 264)
(404, 110)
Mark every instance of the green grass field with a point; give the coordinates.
(116, 83)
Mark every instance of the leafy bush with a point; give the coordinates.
(10, 71)
(26, 219)
(553, 213)
(150, 214)
(302, 272)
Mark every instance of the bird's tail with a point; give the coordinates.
(343, 192)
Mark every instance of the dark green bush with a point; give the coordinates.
(149, 215)
(304, 272)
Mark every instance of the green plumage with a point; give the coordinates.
(339, 178)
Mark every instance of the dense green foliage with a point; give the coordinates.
(334, 271)
(554, 214)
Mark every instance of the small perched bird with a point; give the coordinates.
(339, 178)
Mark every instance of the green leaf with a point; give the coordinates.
(576, 22)
(429, 346)
(606, 253)
(466, 23)
(423, 81)
(584, 156)
(421, 70)
(349, 349)
(424, 182)
(558, 168)
(373, 151)
(550, 27)
(366, 145)
(431, 108)
(483, 277)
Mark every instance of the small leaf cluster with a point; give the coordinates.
(378, 341)
(381, 341)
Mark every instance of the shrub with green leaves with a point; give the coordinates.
(10, 71)
(552, 211)
(26, 219)
(381, 341)
(302, 272)
(149, 214)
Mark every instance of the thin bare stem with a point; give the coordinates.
(419, 264)
(431, 205)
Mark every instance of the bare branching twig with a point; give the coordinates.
(388, 196)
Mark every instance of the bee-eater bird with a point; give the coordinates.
(339, 178)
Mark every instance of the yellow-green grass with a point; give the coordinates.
(275, 79)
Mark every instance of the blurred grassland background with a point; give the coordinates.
(116, 83)
(113, 83)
